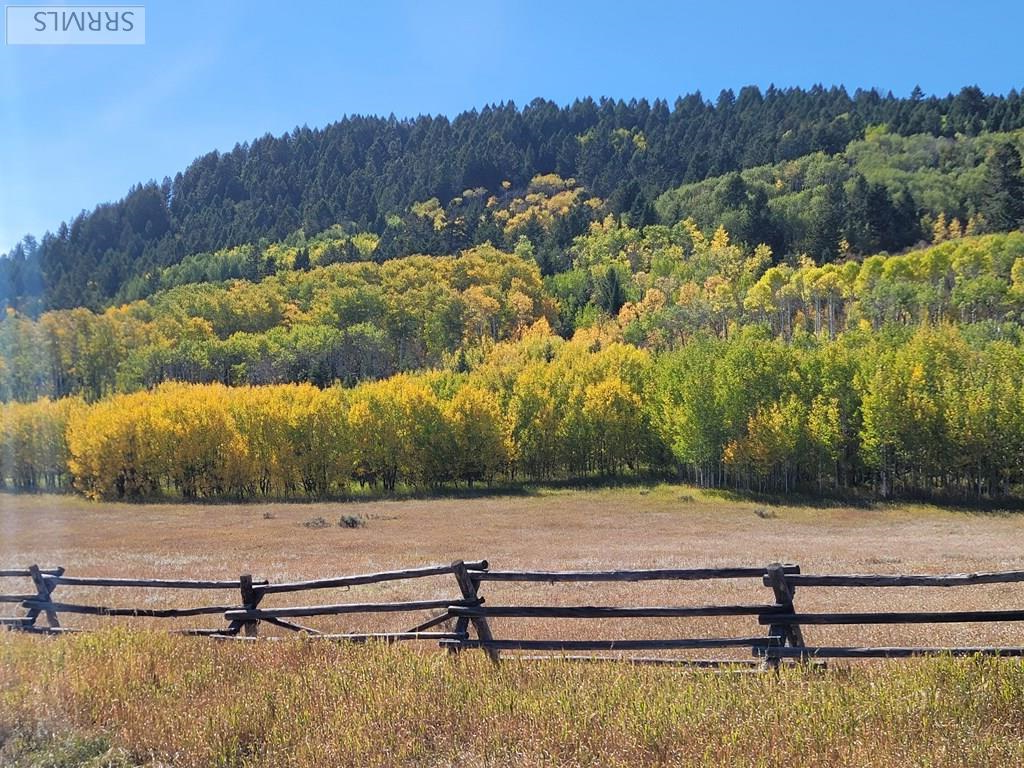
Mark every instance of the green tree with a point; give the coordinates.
(826, 223)
(1002, 190)
(609, 291)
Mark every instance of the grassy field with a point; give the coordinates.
(128, 698)
(120, 699)
(661, 526)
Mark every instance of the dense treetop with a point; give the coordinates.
(366, 173)
(657, 286)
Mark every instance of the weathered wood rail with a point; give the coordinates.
(776, 634)
(888, 581)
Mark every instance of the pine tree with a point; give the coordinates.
(1002, 189)
(826, 225)
(610, 294)
(732, 193)
(252, 269)
(641, 213)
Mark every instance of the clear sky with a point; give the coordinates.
(80, 125)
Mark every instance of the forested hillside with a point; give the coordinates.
(789, 290)
(365, 173)
(657, 287)
(689, 354)
(884, 192)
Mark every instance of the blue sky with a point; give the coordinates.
(79, 125)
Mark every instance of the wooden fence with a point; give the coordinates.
(461, 621)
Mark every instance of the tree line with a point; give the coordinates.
(351, 322)
(365, 173)
(929, 409)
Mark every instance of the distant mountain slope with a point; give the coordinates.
(889, 192)
(361, 171)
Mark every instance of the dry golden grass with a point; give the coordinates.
(115, 698)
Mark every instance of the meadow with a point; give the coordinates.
(141, 697)
(658, 526)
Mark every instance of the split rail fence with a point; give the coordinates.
(462, 621)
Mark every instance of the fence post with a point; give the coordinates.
(469, 592)
(43, 591)
(784, 591)
(250, 600)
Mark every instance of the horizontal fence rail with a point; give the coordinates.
(79, 581)
(99, 610)
(461, 621)
(367, 578)
(333, 610)
(614, 612)
(699, 643)
(911, 617)
(26, 573)
(832, 652)
(683, 574)
(911, 580)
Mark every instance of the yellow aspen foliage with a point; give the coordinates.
(479, 434)
(263, 422)
(975, 225)
(33, 442)
(697, 238)
(211, 441)
(320, 439)
(770, 444)
(767, 403)
(204, 452)
(399, 432)
(616, 420)
(940, 230)
(115, 450)
(720, 239)
(535, 415)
